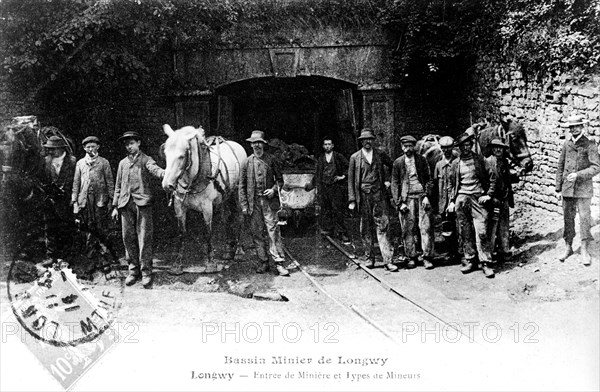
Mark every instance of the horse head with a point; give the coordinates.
(181, 156)
(517, 140)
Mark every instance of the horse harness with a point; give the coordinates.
(189, 188)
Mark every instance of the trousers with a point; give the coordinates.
(374, 217)
(414, 222)
(138, 230)
(473, 228)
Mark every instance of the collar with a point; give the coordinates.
(60, 158)
(576, 139)
(133, 158)
(89, 160)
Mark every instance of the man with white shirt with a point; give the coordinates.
(330, 179)
(412, 188)
(368, 181)
(59, 169)
(578, 164)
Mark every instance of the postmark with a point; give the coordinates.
(69, 325)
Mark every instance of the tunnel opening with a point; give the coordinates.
(302, 109)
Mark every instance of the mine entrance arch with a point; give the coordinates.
(301, 109)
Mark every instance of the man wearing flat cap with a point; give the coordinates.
(503, 198)
(412, 188)
(260, 181)
(133, 201)
(368, 181)
(441, 180)
(58, 181)
(473, 185)
(93, 189)
(577, 166)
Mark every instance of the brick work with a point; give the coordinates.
(541, 105)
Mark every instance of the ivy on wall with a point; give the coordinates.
(87, 52)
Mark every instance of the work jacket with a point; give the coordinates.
(579, 157)
(400, 178)
(357, 161)
(268, 176)
(133, 180)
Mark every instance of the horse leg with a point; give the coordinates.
(181, 219)
(207, 213)
(232, 232)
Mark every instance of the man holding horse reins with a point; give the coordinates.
(59, 168)
(133, 201)
(260, 180)
(578, 164)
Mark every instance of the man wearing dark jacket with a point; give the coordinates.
(59, 170)
(368, 180)
(577, 166)
(330, 179)
(412, 188)
(473, 185)
(503, 198)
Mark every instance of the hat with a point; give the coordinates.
(55, 142)
(463, 137)
(90, 139)
(498, 143)
(574, 121)
(366, 134)
(408, 139)
(257, 136)
(130, 135)
(446, 141)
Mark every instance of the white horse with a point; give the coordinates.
(203, 172)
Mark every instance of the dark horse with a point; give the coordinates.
(508, 130)
(22, 194)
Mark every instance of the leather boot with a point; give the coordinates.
(282, 271)
(468, 266)
(568, 252)
(147, 281)
(585, 253)
(488, 271)
(427, 263)
(263, 266)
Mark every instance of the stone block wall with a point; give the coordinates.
(540, 104)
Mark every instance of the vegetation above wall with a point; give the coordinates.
(81, 50)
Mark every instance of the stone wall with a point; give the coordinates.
(540, 104)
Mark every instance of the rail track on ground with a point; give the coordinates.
(395, 293)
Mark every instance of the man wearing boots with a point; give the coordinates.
(133, 201)
(412, 188)
(260, 180)
(441, 179)
(577, 165)
(330, 179)
(503, 198)
(472, 186)
(93, 189)
(367, 185)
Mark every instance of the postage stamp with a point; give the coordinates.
(68, 326)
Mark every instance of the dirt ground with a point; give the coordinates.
(533, 296)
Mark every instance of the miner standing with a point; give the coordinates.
(577, 165)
